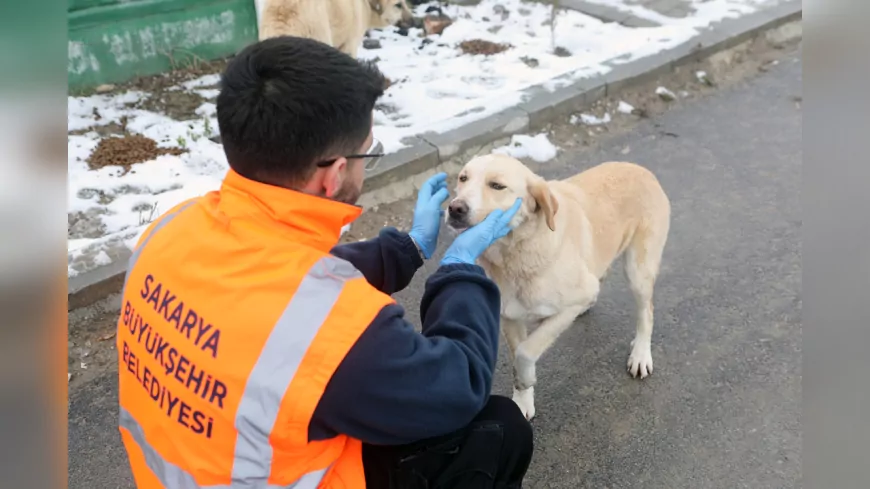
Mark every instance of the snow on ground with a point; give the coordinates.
(439, 88)
(436, 87)
(126, 203)
(590, 119)
(665, 93)
(624, 107)
(538, 147)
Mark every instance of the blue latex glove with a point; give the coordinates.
(427, 214)
(472, 242)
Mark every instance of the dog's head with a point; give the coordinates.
(494, 181)
(385, 13)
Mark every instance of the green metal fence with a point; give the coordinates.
(112, 41)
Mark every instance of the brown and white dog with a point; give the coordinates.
(340, 23)
(567, 234)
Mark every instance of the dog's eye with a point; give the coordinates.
(496, 186)
(462, 178)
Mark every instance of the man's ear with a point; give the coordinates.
(546, 203)
(334, 176)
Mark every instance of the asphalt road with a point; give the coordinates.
(722, 409)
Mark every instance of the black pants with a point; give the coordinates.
(492, 452)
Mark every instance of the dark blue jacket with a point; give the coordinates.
(396, 385)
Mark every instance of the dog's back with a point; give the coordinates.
(619, 199)
(626, 189)
(299, 18)
(339, 23)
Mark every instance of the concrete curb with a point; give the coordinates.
(538, 107)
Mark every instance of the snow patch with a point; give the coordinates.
(665, 93)
(590, 120)
(102, 259)
(538, 147)
(211, 80)
(624, 108)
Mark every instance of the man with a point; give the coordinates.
(255, 353)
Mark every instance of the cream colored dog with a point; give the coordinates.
(340, 23)
(567, 234)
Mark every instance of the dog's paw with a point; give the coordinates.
(524, 368)
(640, 362)
(525, 399)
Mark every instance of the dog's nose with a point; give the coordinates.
(458, 209)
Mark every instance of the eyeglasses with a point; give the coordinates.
(373, 155)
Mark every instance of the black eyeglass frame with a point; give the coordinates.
(374, 157)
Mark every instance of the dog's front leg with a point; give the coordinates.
(514, 333)
(530, 350)
(551, 328)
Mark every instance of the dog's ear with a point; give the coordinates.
(376, 6)
(544, 200)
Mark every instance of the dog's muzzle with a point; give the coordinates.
(457, 215)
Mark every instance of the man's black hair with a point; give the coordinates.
(287, 103)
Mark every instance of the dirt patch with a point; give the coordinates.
(184, 69)
(111, 129)
(102, 197)
(91, 341)
(561, 52)
(386, 108)
(85, 224)
(435, 24)
(164, 97)
(177, 104)
(126, 151)
(191, 71)
(479, 46)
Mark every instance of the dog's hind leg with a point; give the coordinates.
(642, 260)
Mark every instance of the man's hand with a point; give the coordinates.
(427, 214)
(476, 239)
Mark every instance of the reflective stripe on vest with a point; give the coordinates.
(173, 477)
(267, 382)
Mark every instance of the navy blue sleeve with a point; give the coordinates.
(398, 386)
(388, 262)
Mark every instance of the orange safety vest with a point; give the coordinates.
(234, 318)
